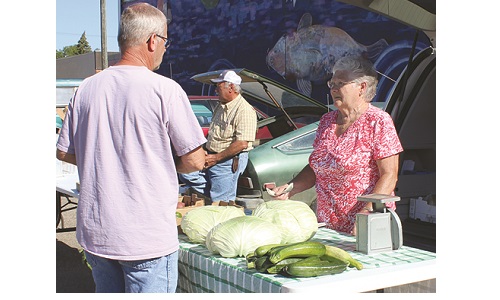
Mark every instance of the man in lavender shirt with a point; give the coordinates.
(129, 131)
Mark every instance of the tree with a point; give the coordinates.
(81, 47)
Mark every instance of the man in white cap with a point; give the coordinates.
(230, 137)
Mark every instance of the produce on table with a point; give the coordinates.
(313, 269)
(262, 250)
(333, 253)
(198, 222)
(263, 263)
(304, 249)
(241, 235)
(296, 219)
(303, 259)
(276, 268)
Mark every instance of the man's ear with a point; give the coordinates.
(152, 43)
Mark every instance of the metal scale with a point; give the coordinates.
(379, 230)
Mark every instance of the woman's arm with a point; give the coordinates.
(388, 168)
(303, 181)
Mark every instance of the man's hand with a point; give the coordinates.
(211, 160)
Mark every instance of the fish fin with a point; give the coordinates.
(373, 50)
(305, 21)
(305, 87)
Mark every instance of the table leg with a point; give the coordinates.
(58, 208)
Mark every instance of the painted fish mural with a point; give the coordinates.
(308, 55)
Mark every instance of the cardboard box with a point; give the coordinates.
(190, 202)
(421, 210)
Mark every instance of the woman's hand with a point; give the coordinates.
(280, 192)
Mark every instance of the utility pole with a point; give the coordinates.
(104, 43)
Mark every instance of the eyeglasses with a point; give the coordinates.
(167, 40)
(216, 84)
(335, 86)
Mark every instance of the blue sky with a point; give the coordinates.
(73, 17)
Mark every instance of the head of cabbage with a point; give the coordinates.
(296, 219)
(197, 223)
(241, 235)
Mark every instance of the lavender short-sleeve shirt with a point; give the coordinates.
(125, 124)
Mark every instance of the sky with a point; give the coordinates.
(73, 17)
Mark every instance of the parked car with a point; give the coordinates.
(203, 108)
(292, 119)
(411, 102)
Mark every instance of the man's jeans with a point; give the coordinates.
(217, 182)
(157, 275)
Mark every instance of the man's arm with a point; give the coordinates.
(233, 149)
(190, 162)
(66, 157)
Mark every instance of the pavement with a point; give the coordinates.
(72, 276)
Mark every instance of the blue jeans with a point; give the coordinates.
(157, 275)
(217, 182)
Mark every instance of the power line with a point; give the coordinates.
(86, 34)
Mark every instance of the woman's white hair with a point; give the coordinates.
(362, 70)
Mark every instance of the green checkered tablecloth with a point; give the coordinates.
(200, 271)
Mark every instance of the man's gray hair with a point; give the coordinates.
(236, 87)
(137, 23)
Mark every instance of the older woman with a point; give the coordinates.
(355, 150)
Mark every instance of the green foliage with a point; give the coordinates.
(84, 259)
(81, 47)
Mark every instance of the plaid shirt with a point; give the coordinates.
(234, 121)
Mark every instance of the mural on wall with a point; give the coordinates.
(293, 42)
(308, 55)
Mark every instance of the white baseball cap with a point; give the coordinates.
(229, 76)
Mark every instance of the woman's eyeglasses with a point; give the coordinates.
(335, 86)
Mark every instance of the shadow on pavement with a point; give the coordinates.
(72, 276)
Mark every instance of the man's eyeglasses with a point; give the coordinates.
(167, 40)
(217, 83)
(335, 86)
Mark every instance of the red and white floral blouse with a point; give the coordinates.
(346, 167)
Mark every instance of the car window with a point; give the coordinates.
(202, 111)
(200, 108)
(302, 142)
